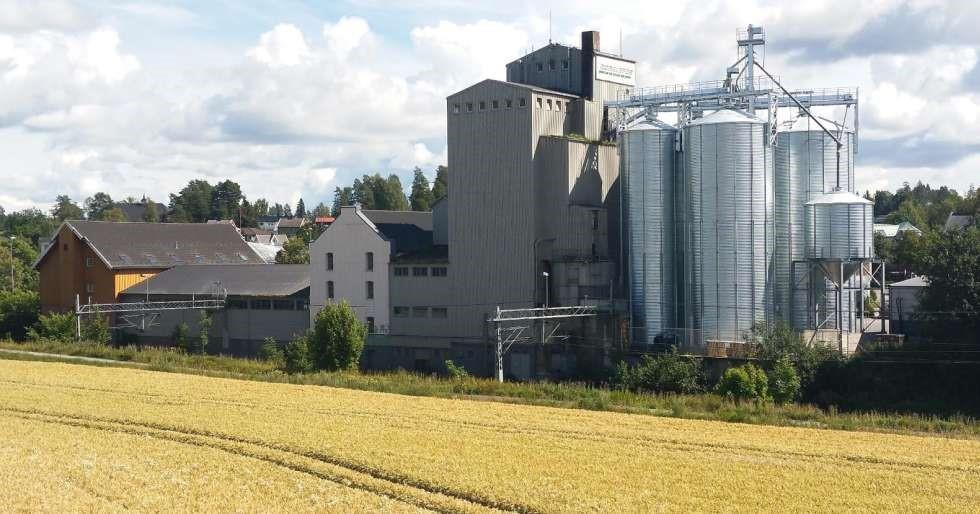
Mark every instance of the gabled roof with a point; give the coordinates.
(292, 222)
(958, 221)
(160, 245)
(919, 281)
(421, 219)
(134, 210)
(518, 85)
(256, 280)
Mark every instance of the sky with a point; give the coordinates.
(292, 99)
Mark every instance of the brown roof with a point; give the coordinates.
(292, 222)
(162, 245)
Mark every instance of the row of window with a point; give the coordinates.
(419, 312)
(421, 271)
(508, 103)
(265, 304)
(552, 65)
(368, 261)
(368, 289)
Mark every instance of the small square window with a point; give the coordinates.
(483, 105)
(558, 104)
(551, 65)
(90, 288)
(549, 104)
(420, 271)
(401, 271)
(540, 103)
(455, 108)
(495, 104)
(238, 304)
(420, 312)
(400, 312)
(89, 262)
(439, 271)
(370, 324)
(540, 67)
(509, 103)
(522, 102)
(440, 312)
(564, 64)
(568, 106)
(469, 106)
(261, 305)
(282, 305)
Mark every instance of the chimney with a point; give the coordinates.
(590, 45)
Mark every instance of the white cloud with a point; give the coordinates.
(284, 45)
(346, 35)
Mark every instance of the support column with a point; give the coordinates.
(500, 350)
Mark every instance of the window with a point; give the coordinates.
(522, 102)
(564, 64)
(552, 66)
(469, 106)
(509, 103)
(549, 104)
(495, 104)
(400, 312)
(261, 304)
(282, 305)
(90, 288)
(455, 108)
(540, 67)
(401, 271)
(420, 312)
(419, 271)
(595, 220)
(370, 324)
(330, 261)
(237, 304)
(439, 271)
(483, 105)
(539, 103)
(302, 304)
(89, 262)
(558, 105)
(568, 106)
(330, 289)
(369, 261)
(440, 312)
(369, 290)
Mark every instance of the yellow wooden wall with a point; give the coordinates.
(128, 278)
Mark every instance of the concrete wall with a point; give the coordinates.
(423, 297)
(559, 77)
(349, 238)
(440, 222)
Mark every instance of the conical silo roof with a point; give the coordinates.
(726, 116)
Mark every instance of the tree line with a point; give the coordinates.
(374, 192)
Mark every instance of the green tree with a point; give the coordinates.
(363, 193)
(113, 214)
(180, 336)
(296, 355)
(321, 209)
(440, 186)
(342, 197)
(204, 323)
(951, 261)
(778, 341)
(746, 382)
(24, 255)
(784, 382)
(193, 204)
(295, 251)
(65, 209)
(226, 197)
(300, 209)
(337, 338)
(421, 197)
(97, 204)
(261, 207)
(394, 194)
(150, 214)
(19, 312)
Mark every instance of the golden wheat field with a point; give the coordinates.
(81, 438)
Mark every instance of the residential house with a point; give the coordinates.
(958, 222)
(291, 226)
(270, 223)
(96, 260)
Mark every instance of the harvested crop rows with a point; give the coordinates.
(94, 438)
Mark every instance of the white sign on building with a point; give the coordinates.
(615, 70)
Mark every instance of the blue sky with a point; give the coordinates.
(292, 98)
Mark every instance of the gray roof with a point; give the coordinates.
(422, 220)
(292, 222)
(135, 211)
(919, 281)
(237, 280)
(958, 221)
(517, 85)
(162, 245)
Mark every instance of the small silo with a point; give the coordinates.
(838, 233)
(805, 168)
(728, 226)
(647, 172)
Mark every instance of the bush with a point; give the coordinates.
(271, 351)
(55, 326)
(204, 323)
(180, 336)
(775, 341)
(296, 356)
(95, 329)
(337, 338)
(784, 383)
(456, 372)
(667, 373)
(18, 313)
(746, 382)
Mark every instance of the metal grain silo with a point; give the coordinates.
(648, 176)
(728, 226)
(805, 168)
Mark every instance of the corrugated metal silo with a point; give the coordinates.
(805, 168)
(648, 178)
(728, 226)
